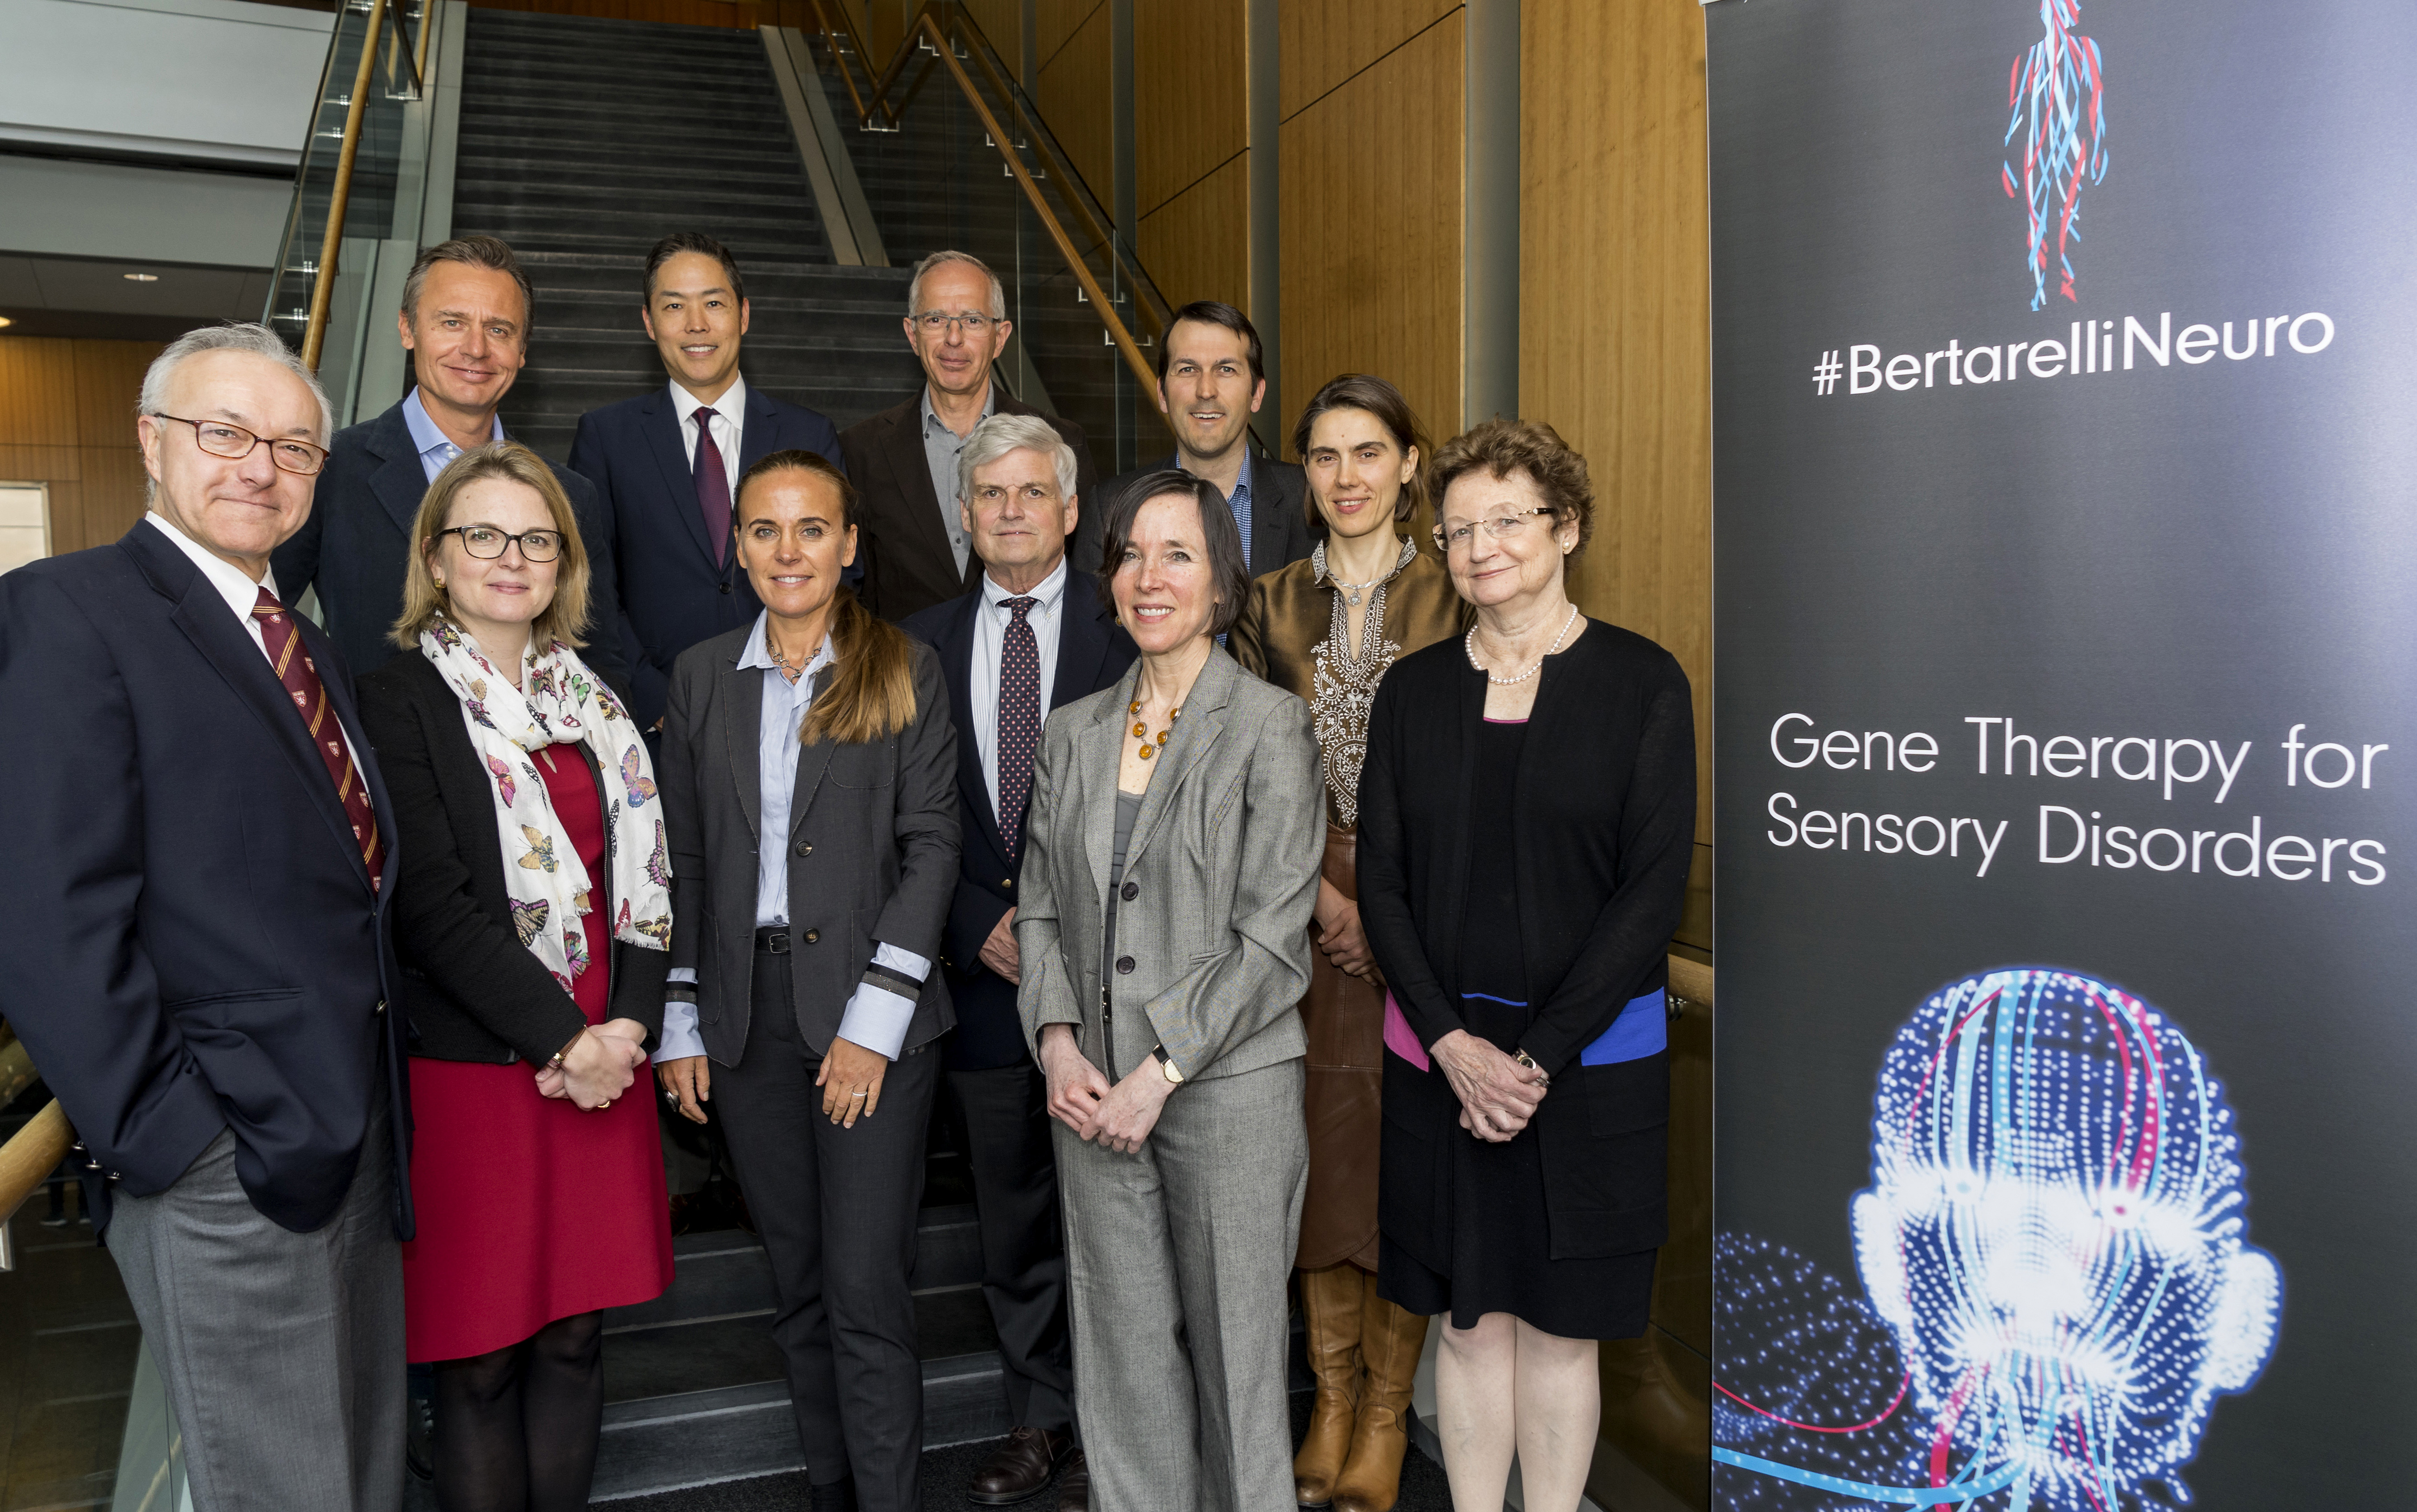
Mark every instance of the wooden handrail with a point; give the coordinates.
(323, 286)
(1692, 980)
(854, 97)
(926, 28)
(982, 52)
(1083, 275)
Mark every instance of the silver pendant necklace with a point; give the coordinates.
(1469, 644)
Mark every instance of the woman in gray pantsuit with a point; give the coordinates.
(1171, 864)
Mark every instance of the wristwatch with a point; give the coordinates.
(1174, 1076)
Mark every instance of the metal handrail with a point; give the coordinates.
(926, 33)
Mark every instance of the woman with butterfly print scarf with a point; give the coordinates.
(532, 917)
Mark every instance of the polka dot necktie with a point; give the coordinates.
(300, 675)
(1019, 721)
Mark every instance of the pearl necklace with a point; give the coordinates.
(1469, 643)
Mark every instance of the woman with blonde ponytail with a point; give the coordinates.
(809, 781)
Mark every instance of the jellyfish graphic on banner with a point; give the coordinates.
(2057, 1275)
(2057, 96)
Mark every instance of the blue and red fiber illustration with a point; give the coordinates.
(2056, 95)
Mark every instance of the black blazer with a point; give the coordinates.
(193, 942)
(472, 990)
(670, 592)
(903, 546)
(871, 849)
(1279, 530)
(1092, 652)
(356, 545)
(1604, 825)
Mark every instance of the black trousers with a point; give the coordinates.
(836, 1208)
(1023, 1237)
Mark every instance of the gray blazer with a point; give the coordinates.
(871, 848)
(1218, 881)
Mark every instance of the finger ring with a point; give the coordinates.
(854, 1095)
(671, 1096)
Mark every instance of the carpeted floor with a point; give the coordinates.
(946, 1471)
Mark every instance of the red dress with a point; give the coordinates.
(529, 1209)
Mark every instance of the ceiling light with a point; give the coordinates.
(140, 278)
(6, 320)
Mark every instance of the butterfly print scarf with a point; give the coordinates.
(561, 700)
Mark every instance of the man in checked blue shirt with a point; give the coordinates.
(1210, 380)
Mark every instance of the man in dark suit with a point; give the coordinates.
(916, 549)
(465, 322)
(665, 486)
(1033, 635)
(197, 950)
(1210, 380)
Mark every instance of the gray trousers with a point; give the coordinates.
(281, 1352)
(1177, 1264)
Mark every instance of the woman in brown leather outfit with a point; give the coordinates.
(1326, 630)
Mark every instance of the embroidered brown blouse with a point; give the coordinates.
(1293, 634)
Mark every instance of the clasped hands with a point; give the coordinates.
(1118, 1117)
(1497, 1094)
(598, 1067)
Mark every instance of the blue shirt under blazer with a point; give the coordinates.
(671, 592)
(193, 942)
(1092, 652)
(356, 543)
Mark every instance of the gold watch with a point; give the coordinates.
(1174, 1076)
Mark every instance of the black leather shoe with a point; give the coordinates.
(1074, 1490)
(1021, 1468)
(839, 1496)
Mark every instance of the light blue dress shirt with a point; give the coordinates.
(877, 1018)
(435, 447)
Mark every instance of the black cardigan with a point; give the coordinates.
(474, 993)
(1605, 824)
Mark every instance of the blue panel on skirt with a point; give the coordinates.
(1642, 1029)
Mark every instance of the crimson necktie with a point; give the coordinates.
(1019, 721)
(712, 488)
(300, 675)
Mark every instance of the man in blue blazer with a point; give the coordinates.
(666, 492)
(464, 321)
(1033, 635)
(197, 951)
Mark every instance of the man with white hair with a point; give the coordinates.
(915, 550)
(197, 953)
(1032, 636)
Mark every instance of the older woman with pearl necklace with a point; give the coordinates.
(1527, 818)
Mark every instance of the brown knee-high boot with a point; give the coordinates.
(1391, 1340)
(1330, 1307)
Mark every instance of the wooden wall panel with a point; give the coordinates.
(1055, 21)
(67, 418)
(1197, 245)
(1191, 95)
(1371, 230)
(37, 398)
(1075, 98)
(1615, 301)
(1330, 41)
(1002, 22)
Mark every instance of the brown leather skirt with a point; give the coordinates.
(1345, 1019)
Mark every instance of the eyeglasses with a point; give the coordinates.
(1501, 527)
(486, 542)
(935, 324)
(234, 443)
